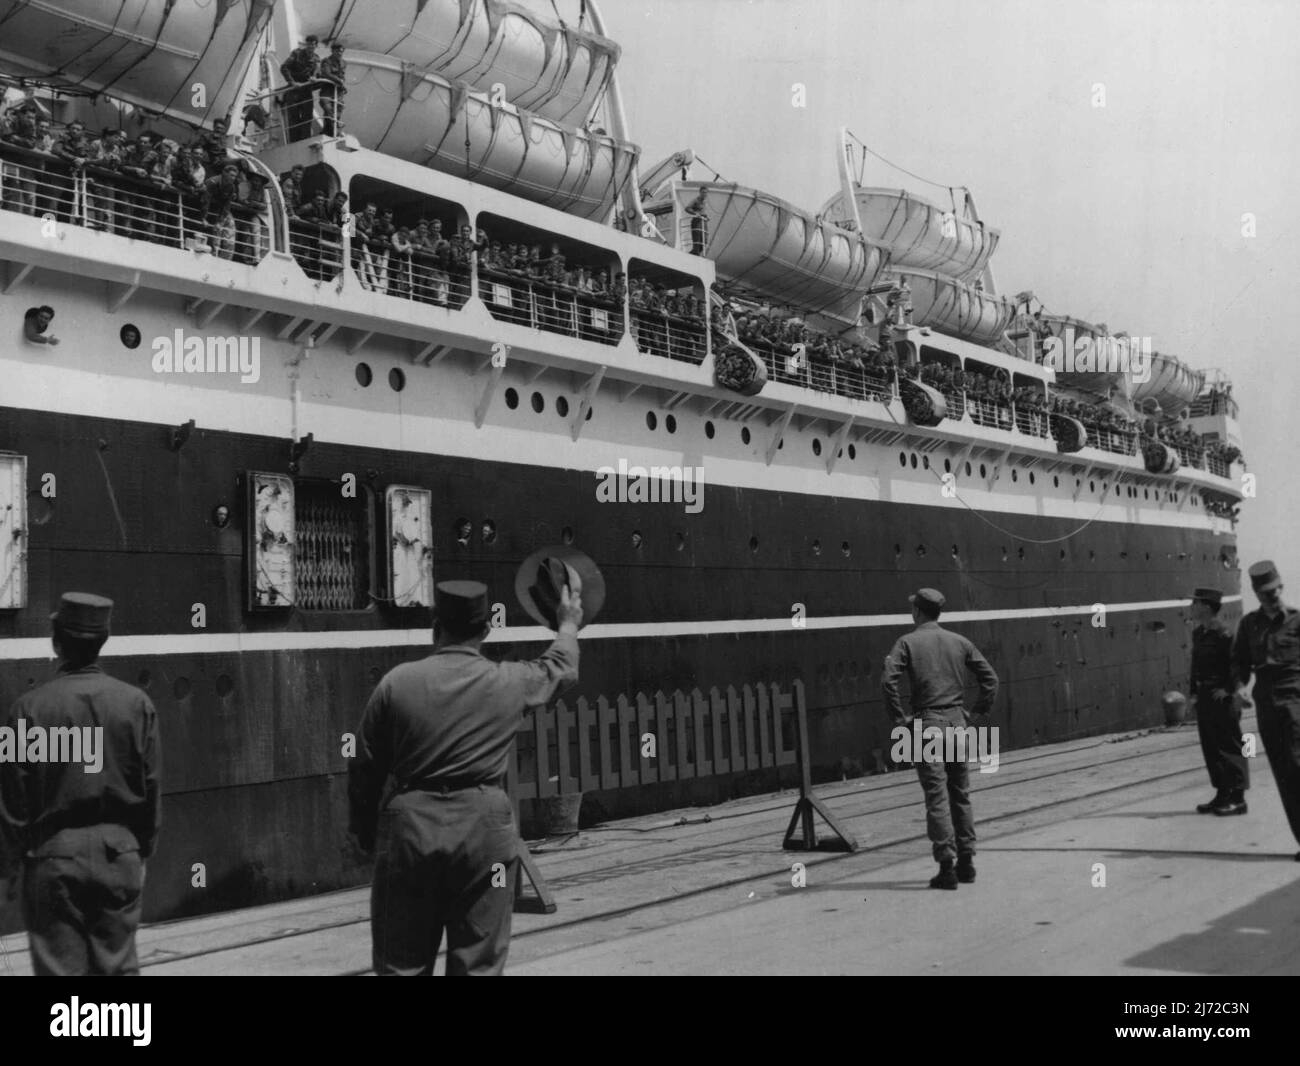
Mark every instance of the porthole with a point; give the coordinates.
(816, 446)
(925, 461)
(1056, 481)
(914, 460)
(1092, 555)
(920, 551)
(845, 550)
(1062, 553)
(753, 544)
(566, 535)
(984, 472)
(670, 423)
(902, 459)
(225, 686)
(968, 468)
(853, 451)
(651, 420)
(144, 680)
(1004, 553)
(955, 552)
(181, 688)
(1092, 486)
(489, 531)
(1020, 554)
(364, 375)
(1015, 474)
(817, 547)
(744, 434)
(590, 411)
(780, 444)
(561, 406)
(680, 541)
(129, 335)
(898, 550)
(463, 528)
(947, 466)
(396, 379)
(709, 430)
(1146, 494)
(636, 539)
(512, 398)
(539, 402)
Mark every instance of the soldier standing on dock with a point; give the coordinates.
(1218, 717)
(936, 661)
(444, 838)
(83, 830)
(1268, 644)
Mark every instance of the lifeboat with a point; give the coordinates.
(1070, 332)
(918, 233)
(782, 251)
(1172, 383)
(147, 52)
(426, 119)
(547, 66)
(955, 308)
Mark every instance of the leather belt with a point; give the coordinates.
(453, 784)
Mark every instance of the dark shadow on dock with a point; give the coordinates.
(1261, 938)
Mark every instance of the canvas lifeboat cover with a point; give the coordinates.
(423, 118)
(782, 251)
(557, 70)
(147, 52)
(920, 234)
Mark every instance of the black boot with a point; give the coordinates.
(966, 869)
(946, 877)
(1234, 803)
(1220, 798)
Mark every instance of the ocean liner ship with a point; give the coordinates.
(271, 423)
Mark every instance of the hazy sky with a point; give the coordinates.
(1128, 214)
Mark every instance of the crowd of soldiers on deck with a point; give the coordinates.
(126, 179)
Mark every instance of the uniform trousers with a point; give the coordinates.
(444, 861)
(1219, 727)
(82, 894)
(1278, 715)
(949, 819)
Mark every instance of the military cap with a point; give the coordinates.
(461, 607)
(1264, 576)
(311, 37)
(1211, 596)
(336, 46)
(932, 597)
(547, 571)
(82, 614)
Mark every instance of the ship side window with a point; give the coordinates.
(549, 282)
(403, 244)
(13, 531)
(669, 312)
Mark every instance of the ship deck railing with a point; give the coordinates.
(99, 198)
(839, 378)
(511, 296)
(671, 336)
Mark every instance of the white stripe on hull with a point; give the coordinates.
(505, 437)
(15, 648)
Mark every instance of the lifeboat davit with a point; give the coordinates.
(551, 68)
(782, 251)
(1172, 384)
(955, 308)
(150, 53)
(918, 233)
(426, 119)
